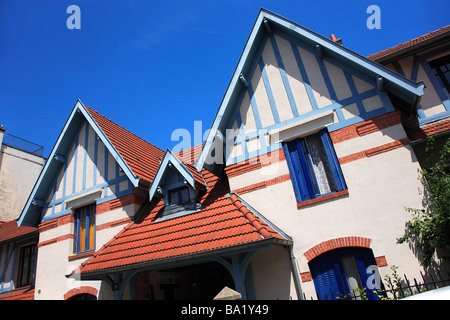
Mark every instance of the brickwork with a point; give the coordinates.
(80, 290)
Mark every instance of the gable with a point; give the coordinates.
(88, 173)
(287, 74)
(172, 173)
(89, 159)
(289, 83)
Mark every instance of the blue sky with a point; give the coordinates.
(155, 66)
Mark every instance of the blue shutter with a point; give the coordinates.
(364, 258)
(325, 280)
(294, 152)
(292, 171)
(333, 160)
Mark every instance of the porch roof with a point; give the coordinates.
(224, 223)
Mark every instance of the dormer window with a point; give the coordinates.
(179, 196)
(179, 185)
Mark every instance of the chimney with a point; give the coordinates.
(333, 38)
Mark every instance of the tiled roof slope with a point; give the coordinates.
(141, 156)
(222, 222)
(10, 230)
(417, 41)
(18, 294)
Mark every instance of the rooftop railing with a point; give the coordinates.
(22, 144)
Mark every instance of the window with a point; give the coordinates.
(84, 229)
(313, 166)
(179, 196)
(339, 272)
(25, 271)
(441, 69)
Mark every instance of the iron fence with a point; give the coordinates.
(397, 290)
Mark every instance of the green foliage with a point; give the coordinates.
(394, 284)
(430, 226)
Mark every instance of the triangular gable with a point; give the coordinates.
(241, 96)
(81, 134)
(188, 172)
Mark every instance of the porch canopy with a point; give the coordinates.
(225, 230)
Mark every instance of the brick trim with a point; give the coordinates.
(323, 198)
(335, 244)
(112, 224)
(366, 127)
(306, 276)
(374, 151)
(381, 261)
(80, 290)
(262, 184)
(55, 240)
(255, 163)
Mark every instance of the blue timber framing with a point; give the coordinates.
(32, 214)
(265, 26)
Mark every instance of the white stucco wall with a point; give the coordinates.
(18, 173)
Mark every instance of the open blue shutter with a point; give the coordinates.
(324, 277)
(294, 159)
(364, 258)
(291, 171)
(333, 160)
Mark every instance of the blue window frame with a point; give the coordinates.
(313, 166)
(179, 196)
(85, 229)
(337, 273)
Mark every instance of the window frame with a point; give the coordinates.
(86, 216)
(179, 191)
(30, 263)
(299, 163)
(436, 65)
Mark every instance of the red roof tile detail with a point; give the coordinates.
(10, 230)
(408, 44)
(18, 294)
(222, 222)
(141, 156)
(190, 155)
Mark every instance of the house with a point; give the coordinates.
(425, 58)
(21, 161)
(298, 191)
(20, 164)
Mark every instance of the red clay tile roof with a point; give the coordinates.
(190, 155)
(18, 294)
(406, 45)
(10, 230)
(222, 222)
(141, 156)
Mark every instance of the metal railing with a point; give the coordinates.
(22, 144)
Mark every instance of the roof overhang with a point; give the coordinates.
(31, 213)
(267, 21)
(187, 259)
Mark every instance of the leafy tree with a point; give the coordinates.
(430, 226)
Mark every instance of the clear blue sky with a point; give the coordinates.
(155, 66)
